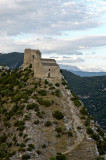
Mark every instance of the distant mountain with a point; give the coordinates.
(92, 92)
(88, 74)
(68, 67)
(13, 60)
(79, 72)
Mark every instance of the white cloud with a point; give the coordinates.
(52, 45)
(70, 60)
(92, 68)
(45, 16)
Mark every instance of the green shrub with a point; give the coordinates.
(33, 106)
(46, 103)
(59, 156)
(101, 145)
(52, 158)
(100, 158)
(44, 146)
(42, 92)
(27, 117)
(21, 128)
(79, 127)
(39, 114)
(57, 92)
(100, 131)
(77, 103)
(84, 111)
(57, 85)
(14, 138)
(64, 82)
(3, 150)
(7, 124)
(95, 137)
(3, 138)
(69, 133)
(75, 97)
(67, 88)
(36, 121)
(38, 152)
(3, 110)
(58, 115)
(25, 157)
(83, 117)
(19, 123)
(20, 134)
(35, 85)
(52, 88)
(46, 81)
(30, 66)
(87, 122)
(58, 129)
(89, 130)
(25, 135)
(22, 145)
(58, 135)
(30, 147)
(48, 123)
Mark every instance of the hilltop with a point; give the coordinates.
(40, 117)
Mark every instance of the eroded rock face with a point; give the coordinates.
(46, 121)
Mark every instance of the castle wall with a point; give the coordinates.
(43, 68)
(29, 56)
(52, 72)
(38, 69)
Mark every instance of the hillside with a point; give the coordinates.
(42, 117)
(92, 92)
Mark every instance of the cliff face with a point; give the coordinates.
(42, 117)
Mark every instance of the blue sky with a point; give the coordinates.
(73, 31)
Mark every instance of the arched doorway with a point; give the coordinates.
(48, 75)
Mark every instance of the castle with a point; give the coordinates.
(42, 67)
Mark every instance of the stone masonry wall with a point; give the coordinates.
(52, 71)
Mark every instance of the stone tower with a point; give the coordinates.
(29, 56)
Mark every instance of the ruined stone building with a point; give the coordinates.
(43, 68)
